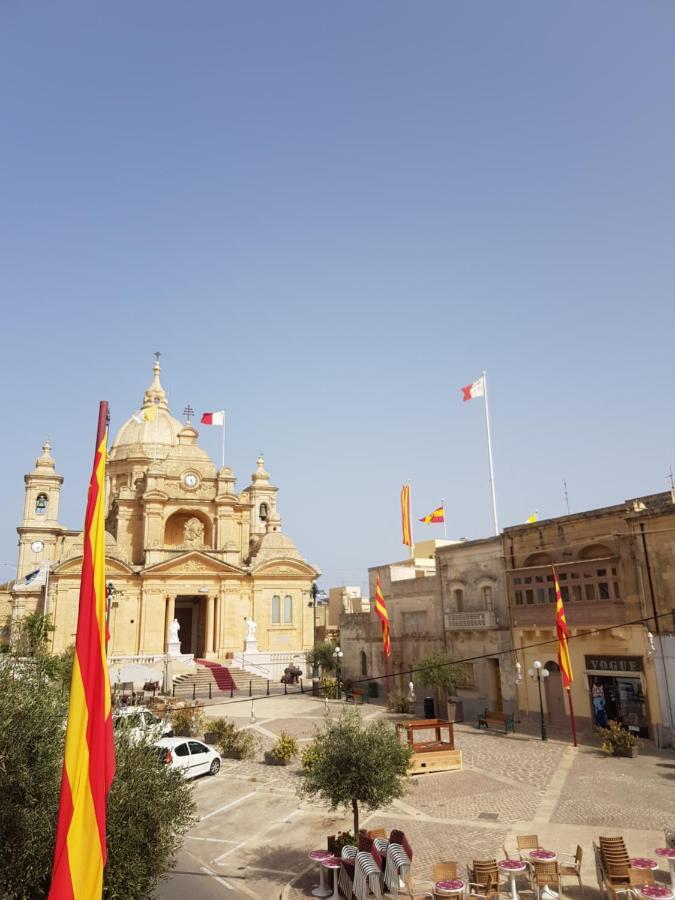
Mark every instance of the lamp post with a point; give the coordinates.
(314, 593)
(539, 674)
(338, 654)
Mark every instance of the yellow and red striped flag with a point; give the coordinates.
(89, 760)
(562, 632)
(437, 516)
(406, 525)
(383, 616)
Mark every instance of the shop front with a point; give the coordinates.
(617, 690)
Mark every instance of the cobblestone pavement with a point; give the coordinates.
(254, 834)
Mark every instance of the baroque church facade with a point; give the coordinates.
(181, 543)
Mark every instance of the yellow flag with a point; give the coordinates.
(532, 518)
(150, 414)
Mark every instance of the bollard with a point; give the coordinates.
(302, 687)
(209, 690)
(250, 690)
(173, 691)
(268, 687)
(194, 690)
(285, 687)
(231, 691)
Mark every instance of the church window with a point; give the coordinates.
(263, 511)
(41, 505)
(288, 609)
(276, 609)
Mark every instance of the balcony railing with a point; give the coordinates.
(470, 621)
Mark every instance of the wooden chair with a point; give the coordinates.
(570, 866)
(545, 874)
(444, 871)
(484, 878)
(376, 833)
(640, 877)
(617, 875)
(525, 843)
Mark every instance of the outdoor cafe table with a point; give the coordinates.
(656, 892)
(544, 856)
(643, 863)
(333, 863)
(512, 867)
(449, 888)
(318, 856)
(669, 854)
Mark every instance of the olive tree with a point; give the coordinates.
(349, 764)
(439, 672)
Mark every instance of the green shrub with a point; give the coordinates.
(239, 743)
(399, 703)
(285, 749)
(216, 729)
(329, 688)
(188, 722)
(616, 738)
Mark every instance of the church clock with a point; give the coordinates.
(190, 480)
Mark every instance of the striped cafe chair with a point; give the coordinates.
(367, 877)
(346, 874)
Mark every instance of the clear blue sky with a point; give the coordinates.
(329, 217)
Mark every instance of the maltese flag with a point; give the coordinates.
(213, 418)
(477, 389)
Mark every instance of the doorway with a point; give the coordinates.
(191, 615)
(494, 685)
(555, 696)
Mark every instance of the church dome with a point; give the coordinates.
(151, 427)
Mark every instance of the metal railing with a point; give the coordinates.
(467, 621)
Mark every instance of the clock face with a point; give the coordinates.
(37, 546)
(190, 480)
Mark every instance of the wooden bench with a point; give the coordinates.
(356, 696)
(492, 717)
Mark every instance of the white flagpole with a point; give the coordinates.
(445, 526)
(489, 443)
(223, 443)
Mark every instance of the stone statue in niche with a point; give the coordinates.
(193, 533)
(251, 626)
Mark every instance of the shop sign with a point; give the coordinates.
(616, 664)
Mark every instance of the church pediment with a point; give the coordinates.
(192, 563)
(73, 566)
(284, 567)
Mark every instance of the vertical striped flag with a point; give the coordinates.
(383, 616)
(89, 760)
(406, 525)
(562, 633)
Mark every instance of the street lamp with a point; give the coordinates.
(540, 674)
(338, 654)
(314, 593)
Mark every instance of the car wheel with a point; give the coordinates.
(215, 767)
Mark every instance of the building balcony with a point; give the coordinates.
(475, 620)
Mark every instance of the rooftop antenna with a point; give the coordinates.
(566, 496)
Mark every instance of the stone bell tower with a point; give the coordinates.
(39, 527)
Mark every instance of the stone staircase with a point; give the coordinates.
(213, 680)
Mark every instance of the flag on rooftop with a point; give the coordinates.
(476, 389)
(213, 418)
(435, 517)
(89, 759)
(533, 518)
(406, 524)
(562, 633)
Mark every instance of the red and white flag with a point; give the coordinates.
(477, 389)
(213, 418)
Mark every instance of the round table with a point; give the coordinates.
(512, 867)
(541, 855)
(643, 862)
(318, 856)
(657, 892)
(332, 863)
(449, 888)
(669, 854)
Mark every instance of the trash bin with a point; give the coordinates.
(429, 709)
(455, 711)
(373, 689)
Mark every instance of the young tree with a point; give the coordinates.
(438, 671)
(322, 656)
(150, 806)
(348, 764)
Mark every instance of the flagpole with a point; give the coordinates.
(572, 722)
(489, 443)
(445, 527)
(223, 444)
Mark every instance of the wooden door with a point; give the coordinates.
(184, 616)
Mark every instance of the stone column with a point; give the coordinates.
(208, 631)
(170, 615)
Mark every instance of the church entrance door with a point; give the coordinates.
(191, 615)
(184, 616)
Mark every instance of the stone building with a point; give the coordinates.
(182, 543)
(615, 584)
(476, 622)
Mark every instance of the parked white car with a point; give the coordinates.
(189, 756)
(141, 723)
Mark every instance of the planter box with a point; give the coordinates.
(272, 760)
(630, 752)
(231, 754)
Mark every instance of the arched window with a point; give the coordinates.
(263, 512)
(41, 504)
(288, 609)
(487, 596)
(364, 664)
(276, 610)
(459, 599)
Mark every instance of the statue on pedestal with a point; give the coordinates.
(252, 626)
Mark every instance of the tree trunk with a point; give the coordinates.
(355, 810)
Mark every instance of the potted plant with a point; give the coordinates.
(283, 752)
(617, 740)
(443, 675)
(215, 730)
(236, 743)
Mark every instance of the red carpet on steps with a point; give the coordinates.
(221, 674)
